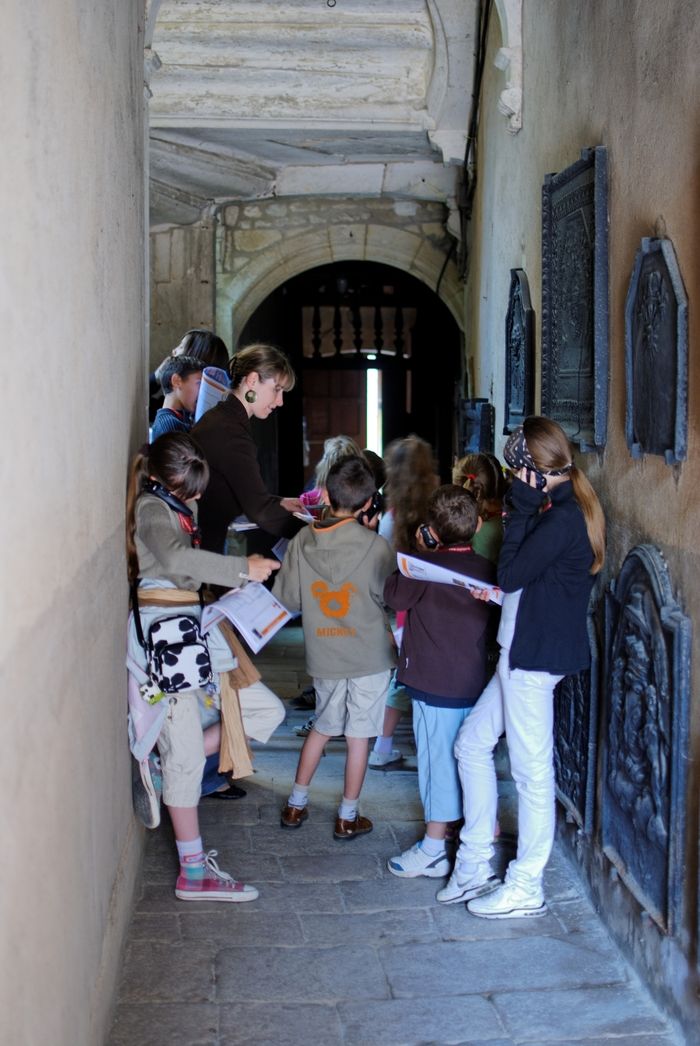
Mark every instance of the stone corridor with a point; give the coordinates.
(337, 951)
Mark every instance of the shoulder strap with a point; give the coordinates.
(137, 615)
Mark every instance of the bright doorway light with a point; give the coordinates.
(374, 411)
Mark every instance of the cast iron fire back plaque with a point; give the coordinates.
(656, 354)
(646, 736)
(575, 737)
(575, 299)
(520, 353)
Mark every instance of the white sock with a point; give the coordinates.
(432, 847)
(191, 856)
(299, 796)
(347, 810)
(382, 746)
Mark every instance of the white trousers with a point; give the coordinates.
(521, 703)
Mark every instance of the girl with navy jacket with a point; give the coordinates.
(553, 545)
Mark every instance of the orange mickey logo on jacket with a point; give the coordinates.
(333, 604)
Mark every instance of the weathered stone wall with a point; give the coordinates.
(624, 76)
(72, 302)
(262, 244)
(182, 284)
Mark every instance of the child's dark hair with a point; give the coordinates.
(176, 462)
(349, 484)
(376, 463)
(204, 345)
(453, 514)
(183, 366)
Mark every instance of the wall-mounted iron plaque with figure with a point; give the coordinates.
(575, 299)
(575, 737)
(520, 353)
(656, 354)
(644, 768)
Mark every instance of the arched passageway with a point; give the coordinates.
(349, 327)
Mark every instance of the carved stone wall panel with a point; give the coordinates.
(646, 736)
(575, 737)
(575, 299)
(656, 354)
(520, 353)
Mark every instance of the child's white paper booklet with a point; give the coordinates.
(214, 388)
(423, 570)
(254, 611)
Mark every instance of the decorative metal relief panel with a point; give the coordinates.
(520, 352)
(646, 736)
(575, 737)
(656, 354)
(575, 299)
(476, 425)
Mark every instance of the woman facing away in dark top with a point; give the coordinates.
(260, 375)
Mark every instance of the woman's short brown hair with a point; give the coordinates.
(266, 360)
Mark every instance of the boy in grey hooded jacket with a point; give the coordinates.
(334, 573)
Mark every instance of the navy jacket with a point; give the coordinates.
(548, 556)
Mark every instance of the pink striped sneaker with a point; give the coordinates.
(215, 885)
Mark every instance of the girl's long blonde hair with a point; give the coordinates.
(410, 481)
(175, 461)
(550, 449)
(335, 450)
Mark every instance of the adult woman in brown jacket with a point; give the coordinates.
(260, 375)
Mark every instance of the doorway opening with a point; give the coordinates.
(377, 355)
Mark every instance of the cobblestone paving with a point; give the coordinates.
(338, 951)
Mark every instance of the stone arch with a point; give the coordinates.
(239, 294)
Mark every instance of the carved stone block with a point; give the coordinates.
(575, 738)
(575, 299)
(646, 736)
(520, 353)
(656, 354)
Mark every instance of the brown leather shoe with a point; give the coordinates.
(293, 816)
(349, 829)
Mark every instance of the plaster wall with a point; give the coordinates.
(624, 75)
(72, 302)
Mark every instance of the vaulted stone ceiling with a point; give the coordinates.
(262, 98)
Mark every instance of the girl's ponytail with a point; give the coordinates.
(593, 515)
(548, 444)
(137, 473)
(176, 462)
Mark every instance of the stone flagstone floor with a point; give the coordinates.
(338, 951)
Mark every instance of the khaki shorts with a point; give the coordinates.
(353, 707)
(261, 711)
(181, 749)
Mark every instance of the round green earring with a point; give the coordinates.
(251, 396)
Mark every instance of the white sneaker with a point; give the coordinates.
(380, 760)
(510, 901)
(414, 862)
(463, 888)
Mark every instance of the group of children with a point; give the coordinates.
(341, 573)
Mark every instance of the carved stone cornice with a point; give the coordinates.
(509, 58)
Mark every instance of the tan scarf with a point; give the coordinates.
(235, 756)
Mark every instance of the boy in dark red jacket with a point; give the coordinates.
(442, 664)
